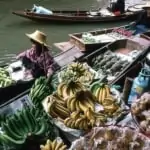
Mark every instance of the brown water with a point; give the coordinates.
(13, 28)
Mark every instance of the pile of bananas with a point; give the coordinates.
(20, 126)
(77, 71)
(66, 89)
(56, 107)
(104, 97)
(5, 79)
(100, 90)
(81, 101)
(55, 145)
(86, 120)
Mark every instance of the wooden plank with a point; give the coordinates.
(64, 46)
(67, 57)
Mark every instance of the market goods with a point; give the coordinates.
(56, 109)
(40, 90)
(140, 109)
(81, 101)
(112, 138)
(55, 145)
(100, 90)
(5, 79)
(109, 63)
(84, 121)
(77, 71)
(20, 126)
(66, 89)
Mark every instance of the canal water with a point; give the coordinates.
(13, 28)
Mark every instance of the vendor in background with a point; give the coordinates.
(118, 7)
(37, 60)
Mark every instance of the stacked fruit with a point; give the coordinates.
(85, 120)
(66, 89)
(20, 126)
(104, 97)
(56, 107)
(40, 90)
(77, 71)
(55, 145)
(76, 111)
(5, 79)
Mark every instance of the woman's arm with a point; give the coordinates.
(48, 64)
(21, 55)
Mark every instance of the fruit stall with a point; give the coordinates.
(82, 106)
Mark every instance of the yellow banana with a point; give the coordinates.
(77, 106)
(64, 147)
(85, 125)
(69, 100)
(107, 102)
(110, 108)
(42, 147)
(82, 106)
(75, 115)
(59, 145)
(62, 108)
(73, 105)
(53, 145)
(60, 87)
(68, 122)
(97, 93)
(65, 92)
(80, 126)
(72, 125)
(88, 104)
(61, 112)
(103, 95)
(77, 122)
(89, 114)
(107, 90)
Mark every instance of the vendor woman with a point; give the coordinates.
(37, 59)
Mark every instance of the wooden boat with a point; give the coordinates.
(66, 16)
(10, 92)
(101, 37)
(121, 48)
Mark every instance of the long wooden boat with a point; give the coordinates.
(66, 16)
(100, 37)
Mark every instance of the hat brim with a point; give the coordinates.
(33, 38)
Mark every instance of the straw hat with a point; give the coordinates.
(39, 37)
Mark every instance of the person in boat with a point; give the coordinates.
(118, 7)
(37, 60)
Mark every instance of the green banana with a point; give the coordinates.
(10, 132)
(42, 128)
(9, 140)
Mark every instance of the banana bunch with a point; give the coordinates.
(110, 106)
(20, 126)
(65, 89)
(56, 108)
(77, 67)
(55, 145)
(81, 101)
(84, 121)
(77, 71)
(40, 90)
(101, 91)
(77, 121)
(95, 119)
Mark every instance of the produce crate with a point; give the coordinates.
(133, 70)
(120, 46)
